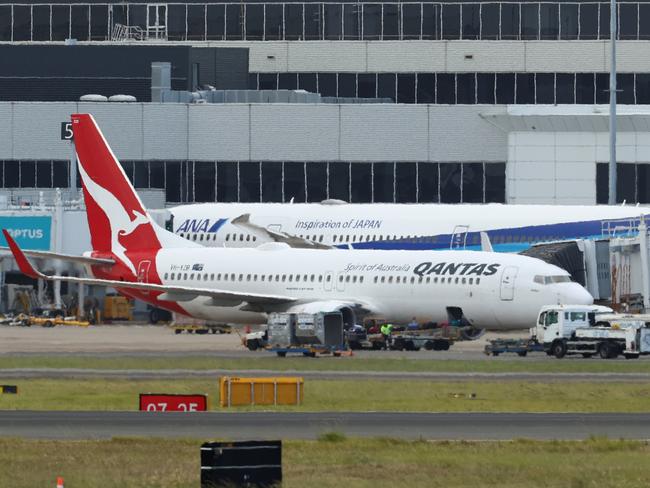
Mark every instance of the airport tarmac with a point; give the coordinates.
(284, 425)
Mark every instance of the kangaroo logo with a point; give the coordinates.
(119, 219)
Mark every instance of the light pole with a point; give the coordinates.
(612, 102)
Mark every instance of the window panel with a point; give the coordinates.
(643, 183)
(495, 182)
(316, 181)
(450, 181)
(525, 88)
(5, 23)
(366, 85)
(383, 181)
(41, 21)
(466, 88)
(361, 182)
(625, 88)
(530, 21)
(255, 21)
(411, 21)
(11, 174)
(293, 21)
(216, 22)
(80, 22)
(294, 182)
(273, 22)
(372, 21)
(176, 19)
(625, 183)
(386, 85)
(628, 21)
(313, 21)
(351, 21)
(61, 22)
(60, 178)
(272, 181)
(604, 21)
(138, 15)
(141, 174)
(391, 21)
(406, 182)
(602, 183)
(602, 87)
(431, 21)
(589, 21)
(643, 89)
(128, 169)
(339, 181)
(545, 88)
(173, 173)
(426, 88)
(118, 13)
(307, 82)
(485, 87)
(27, 174)
(44, 174)
(564, 88)
(569, 21)
(473, 182)
(287, 81)
(471, 20)
(450, 21)
(347, 85)
(234, 24)
(505, 87)
(548, 26)
(428, 183)
(98, 22)
(157, 174)
(490, 13)
(333, 27)
(249, 181)
(445, 88)
(406, 88)
(509, 21)
(22, 23)
(327, 84)
(204, 175)
(227, 175)
(644, 21)
(268, 81)
(585, 88)
(196, 22)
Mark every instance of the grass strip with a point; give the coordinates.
(335, 461)
(264, 361)
(334, 395)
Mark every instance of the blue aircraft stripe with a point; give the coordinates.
(217, 225)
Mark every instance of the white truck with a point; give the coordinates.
(590, 330)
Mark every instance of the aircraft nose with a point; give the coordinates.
(577, 295)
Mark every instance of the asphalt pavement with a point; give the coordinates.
(286, 425)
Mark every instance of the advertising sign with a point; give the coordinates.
(30, 232)
(161, 402)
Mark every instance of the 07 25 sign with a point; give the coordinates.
(160, 402)
(66, 131)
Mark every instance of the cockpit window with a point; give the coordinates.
(547, 280)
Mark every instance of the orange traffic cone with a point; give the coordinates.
(59, 482)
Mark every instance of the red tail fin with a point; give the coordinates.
(117, 220)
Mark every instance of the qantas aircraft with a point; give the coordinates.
(140, 259)
(510, 228)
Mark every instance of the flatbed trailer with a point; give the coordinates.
(309, 350)
(201, 329)
(439, 339)
(521, 347)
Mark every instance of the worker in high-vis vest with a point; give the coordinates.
(386, 330)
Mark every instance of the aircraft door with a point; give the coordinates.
(508, 282)
(459, 237)
(143, 271)
(327, 283)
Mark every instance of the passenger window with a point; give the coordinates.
(420, 279)
(397, 280)
(232, 276)
(290, 278)
(185, 276)
(375, 280)
(248, 238)
(312, 278)
(478, 280)
(347, 279)
(457, 279)
(212, 277)
(383, 279)
(390, 279)
(227, 237)
(320, 277)
(463, 281)
(248, 277)
(284, 278)
(471, 281)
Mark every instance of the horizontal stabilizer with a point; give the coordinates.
(244, 221)
(62, 257)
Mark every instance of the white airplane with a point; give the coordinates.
(510, 228)
(140, 259)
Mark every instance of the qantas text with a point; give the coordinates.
(463, 269)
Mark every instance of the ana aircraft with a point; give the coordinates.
(510, 228)
(140, 259)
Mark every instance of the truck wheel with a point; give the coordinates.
(376, 346)
(282, 354)
(398, 345)
(409, 346)
(177, 331)
(445, 346)
(48, 323)
(559, 349)
(355, 346)
(522, 354)
(252, 345)
(605, 351)
(428, 345)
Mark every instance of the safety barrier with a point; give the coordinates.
(260, 391)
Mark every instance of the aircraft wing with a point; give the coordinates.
(170, 293)
(244, 221)
(61, 257)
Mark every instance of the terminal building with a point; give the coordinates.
(419, 101)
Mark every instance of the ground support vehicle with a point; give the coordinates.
(201, 329)
(439, 339)
(256, 340)
(519, 346)
(630, 337)
(57, 321)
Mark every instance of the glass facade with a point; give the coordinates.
(465, 88)
(284, 181)
(324, 21)
(632, 182)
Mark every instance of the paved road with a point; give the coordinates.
(267, 425)
(143, 374)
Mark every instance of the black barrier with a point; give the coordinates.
(9, 389)
(246, 463)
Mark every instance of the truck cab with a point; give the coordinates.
(561, 321)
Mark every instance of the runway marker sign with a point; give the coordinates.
(162, 402)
